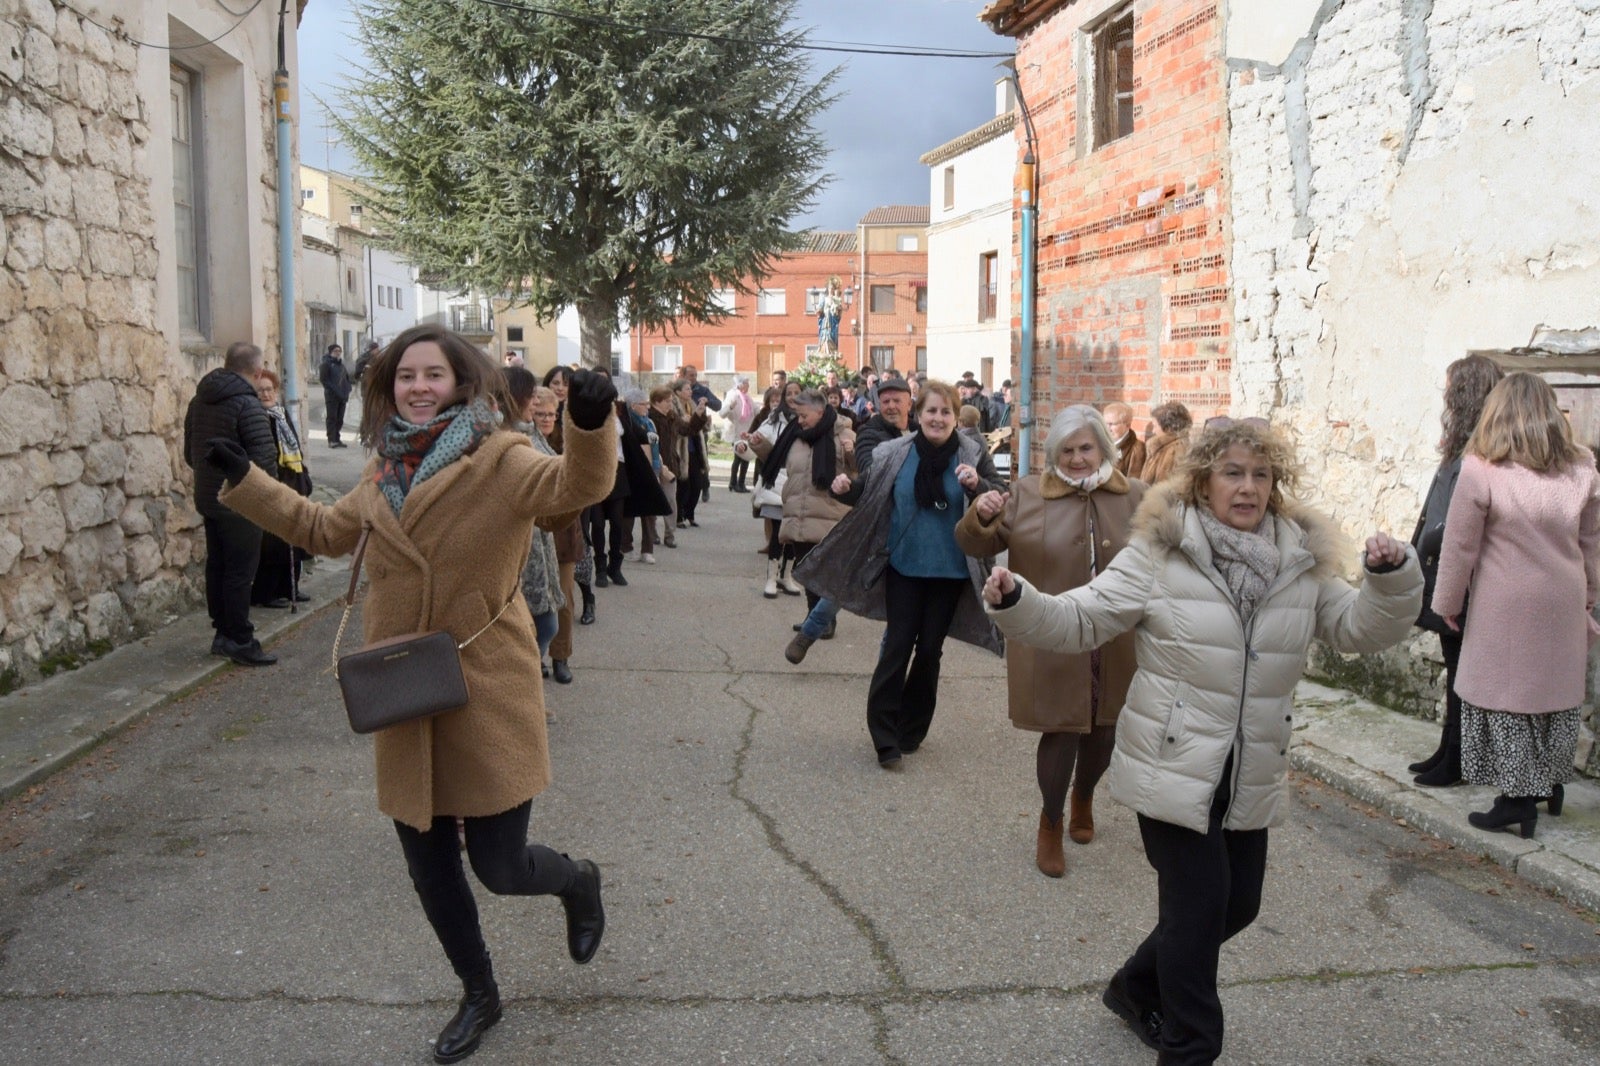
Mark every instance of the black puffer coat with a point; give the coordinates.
(225, 405)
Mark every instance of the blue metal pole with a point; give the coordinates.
(286, 229)
(1025, 187)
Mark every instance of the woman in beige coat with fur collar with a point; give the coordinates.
(1224, 585)
(450, 499)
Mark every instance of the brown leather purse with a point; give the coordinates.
(399, 679)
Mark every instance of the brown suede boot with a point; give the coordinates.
(1080, 819)
(1052, 861)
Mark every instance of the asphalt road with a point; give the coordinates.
(217, 886)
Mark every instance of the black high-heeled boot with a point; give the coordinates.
(480, 1008)
(1558, 796)
(1447, 771)
(587, 617)
(1519, 811)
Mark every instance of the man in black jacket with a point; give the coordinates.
(335, 391)
(892, 420)
(225, 405)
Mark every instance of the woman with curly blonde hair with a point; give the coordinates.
(1224, 582)
(1524, 532)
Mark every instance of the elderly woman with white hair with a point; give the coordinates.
(738, 412)
(1061, 527)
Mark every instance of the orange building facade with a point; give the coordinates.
(883, 270)
(1133, 291)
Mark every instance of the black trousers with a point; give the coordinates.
(336, 406)
(905, 685)
(233, 549)
(609, 512)
(506, 864)
(1209, 888)
(689, 490)
(1450, 736)
(737, 474)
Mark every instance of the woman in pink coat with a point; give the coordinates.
(1524, 530)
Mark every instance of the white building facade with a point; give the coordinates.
(970, 249)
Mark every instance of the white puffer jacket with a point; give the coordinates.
(1206, 684)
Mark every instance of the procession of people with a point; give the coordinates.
(1156, 605)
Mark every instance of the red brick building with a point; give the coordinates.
(1128, 108)
(883, 267)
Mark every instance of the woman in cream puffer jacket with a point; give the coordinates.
(1224, 583)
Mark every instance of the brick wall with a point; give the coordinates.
(1133, 293)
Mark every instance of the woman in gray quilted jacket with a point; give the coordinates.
(1224, 584)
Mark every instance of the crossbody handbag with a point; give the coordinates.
(404, 678)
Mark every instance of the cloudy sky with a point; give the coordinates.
(890, 110)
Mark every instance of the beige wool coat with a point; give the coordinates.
(450, 560)
(1046, 526)
(810, 513)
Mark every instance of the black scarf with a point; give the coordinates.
(824, 459)
(934, 460)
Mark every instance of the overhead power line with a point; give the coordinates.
(851, 47)
(175, 47)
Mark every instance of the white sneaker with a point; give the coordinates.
(647, 558)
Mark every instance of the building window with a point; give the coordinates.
(882, 299)
(514, 334)
(719, 357)
(922, 299)
(350, 278)
(771, 302)
(949, 188)
(812, 350)
(355, 214)
(988, 285)
(722, 300)
(188, 213)
(664, 357)
(308, 194)
(383, 296)
(814, 297)
(922, 359)
(1112, 96)
(907, 242)
(882, 356)
(399, 299)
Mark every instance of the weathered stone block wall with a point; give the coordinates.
(1406, 188)
(1133, 293)
(97, 535)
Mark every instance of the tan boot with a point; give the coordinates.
(1051, 859)
(1080, 820)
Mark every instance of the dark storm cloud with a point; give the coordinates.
(890, 110)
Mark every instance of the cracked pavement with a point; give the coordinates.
(215, 885)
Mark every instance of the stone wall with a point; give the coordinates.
(1406, 188)
(98, 537)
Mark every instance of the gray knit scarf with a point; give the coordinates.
(1247, 561)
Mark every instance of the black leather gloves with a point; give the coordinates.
(229, 457)
(590, 398)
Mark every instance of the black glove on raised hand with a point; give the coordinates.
(590, 398)
(229, 457)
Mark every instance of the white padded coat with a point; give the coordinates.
(1207, 684)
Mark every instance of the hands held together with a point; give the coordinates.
(991, 503)
(1000, 584)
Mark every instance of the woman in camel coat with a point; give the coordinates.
(1062, 527)
(450, 501)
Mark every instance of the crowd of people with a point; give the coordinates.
(1157, 604)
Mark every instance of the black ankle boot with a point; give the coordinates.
(480, 1008)
(587, 617)
(586, 917)
(1430, 762)
(1558, 796)
(1519, 811)
(1445, 772)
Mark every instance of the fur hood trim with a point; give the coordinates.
(1163, 518)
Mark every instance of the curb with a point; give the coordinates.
(1528, 859)
(48, 726)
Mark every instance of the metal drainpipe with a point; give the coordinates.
(286, 208)
(1030, 209)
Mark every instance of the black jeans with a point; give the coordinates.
(506, 864)
(335, 423)
(901, 702)
(233, 549)
(689, 489)
(1450, 736)
(737, 473)
(1209, 888)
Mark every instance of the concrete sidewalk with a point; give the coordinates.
(1345, 741)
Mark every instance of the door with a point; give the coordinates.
(769, 357)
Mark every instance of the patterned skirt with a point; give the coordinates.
(1519, 754)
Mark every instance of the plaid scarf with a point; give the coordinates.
(411, 454)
